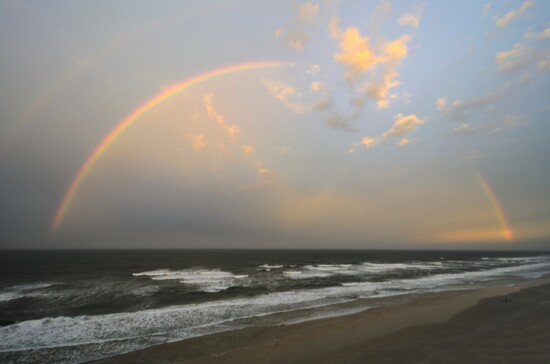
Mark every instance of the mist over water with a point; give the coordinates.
(75, 306)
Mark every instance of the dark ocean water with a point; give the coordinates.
(75, 306)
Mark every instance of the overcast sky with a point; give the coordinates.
(344, 124)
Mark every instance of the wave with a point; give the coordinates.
(206, 280)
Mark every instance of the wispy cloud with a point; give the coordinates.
(440, 103)
(341, 122)
(247, 150)
(402, 125)
(513, 14)
(308, 12)
(232, 130)
(296, 36)
(288, 95)
(411, 19)
(198, 142)
(545, 34)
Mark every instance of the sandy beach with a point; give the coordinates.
(509, 324)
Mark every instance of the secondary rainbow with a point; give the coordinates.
(134, 116)
(506, 230)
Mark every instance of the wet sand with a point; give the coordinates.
(490, 325)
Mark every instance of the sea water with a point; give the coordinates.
(76, 306)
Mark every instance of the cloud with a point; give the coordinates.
(515, 120)
(440, 103)
(308, 12)
(198, 142)
(519, 56)
(323, 104)
(313, 70)
(287, 95)
(341, 122)
(297, 37)
(247, 150)
(545, 34)
(461, 110)
(266, 177)
(543, 66)
(318, 87)
(464, 129)
(375, 65)
(232, 130)
(404, 141)
(411, 19)
(402, 125)
(513, 14)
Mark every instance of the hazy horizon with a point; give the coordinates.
(275, 125)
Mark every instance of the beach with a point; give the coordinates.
(506, 324)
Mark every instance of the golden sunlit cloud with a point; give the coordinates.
(232, 131)
(513, 14)
(401, 126)
(361, 59)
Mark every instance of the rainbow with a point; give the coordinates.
(506, 229)
(134, 116)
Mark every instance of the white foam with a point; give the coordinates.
(207, 280)
(24, 290)
(267, 266)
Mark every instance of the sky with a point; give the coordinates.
(275, 124)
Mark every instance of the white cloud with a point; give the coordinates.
(513, 14)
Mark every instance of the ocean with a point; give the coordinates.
(77, 306)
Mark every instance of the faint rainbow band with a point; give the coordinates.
(134, 116)
(506, 229)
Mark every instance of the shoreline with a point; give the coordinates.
(316, 340)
